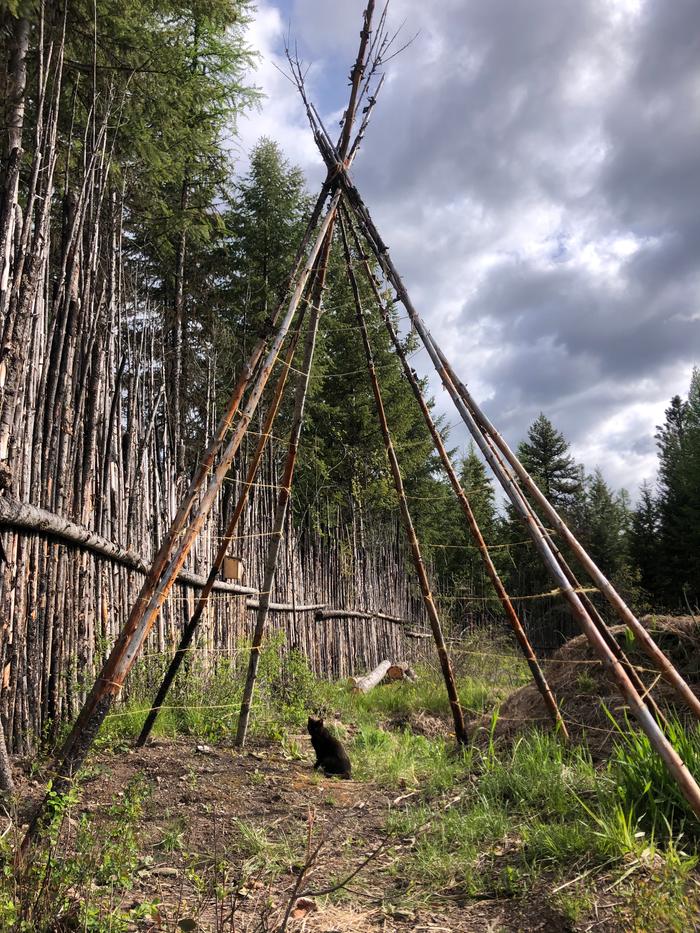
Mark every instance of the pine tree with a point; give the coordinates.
(606, 521)
(545, 456)
(645, 545)
(674, 503)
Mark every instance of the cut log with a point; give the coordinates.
(365, 684)
(401, 670)
(387, 672)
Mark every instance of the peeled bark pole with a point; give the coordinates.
(284, 494)
(646, 642)
(390, 671)
(511, 615)
(428, 601)
(379, 248)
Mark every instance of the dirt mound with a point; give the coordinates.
(419, 722)
(584, 689)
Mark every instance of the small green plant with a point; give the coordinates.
(586, 683)
(291, 748)
(74, 874)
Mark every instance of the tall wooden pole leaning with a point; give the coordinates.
(590, 608)
(161, 559)
(511, 614)
(658, 740)
(193, 622)
(355, 82)
(428, 601)
(160, 562)
(128, 645)
(284, 493)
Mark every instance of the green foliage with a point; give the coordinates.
(77, 883)
(205, 700)
(546, 458)
(407, 760)
(259, 852)
(645, 788)
(678, 441)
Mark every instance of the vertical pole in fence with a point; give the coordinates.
(128, 645)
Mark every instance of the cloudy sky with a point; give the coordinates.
(534, 166)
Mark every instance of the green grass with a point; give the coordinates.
(470, 822)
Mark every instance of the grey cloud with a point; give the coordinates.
(572, 108)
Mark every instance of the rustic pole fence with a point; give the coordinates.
(428, 601)
(126, 649)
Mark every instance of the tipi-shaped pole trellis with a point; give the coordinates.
(500, 458)
(198, 501)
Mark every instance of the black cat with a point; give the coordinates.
(331, 757)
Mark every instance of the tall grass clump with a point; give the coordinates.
(645, 789)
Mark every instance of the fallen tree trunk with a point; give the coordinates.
(365, 684)
(386, 671)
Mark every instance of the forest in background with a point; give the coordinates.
(138, 270)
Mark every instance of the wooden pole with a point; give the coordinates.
(380, 249)
(646, 642)
(511, 615)
(428, 601)
(658, 740)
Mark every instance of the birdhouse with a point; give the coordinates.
(233, 569)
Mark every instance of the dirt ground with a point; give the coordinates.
(197, 798)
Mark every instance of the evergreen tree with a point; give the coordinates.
(545, 456)
(606, 521)
(691, 473)
(266, 222)
(674, 502)
(645, 548)
(479, 489)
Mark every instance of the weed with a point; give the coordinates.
(75, 879)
